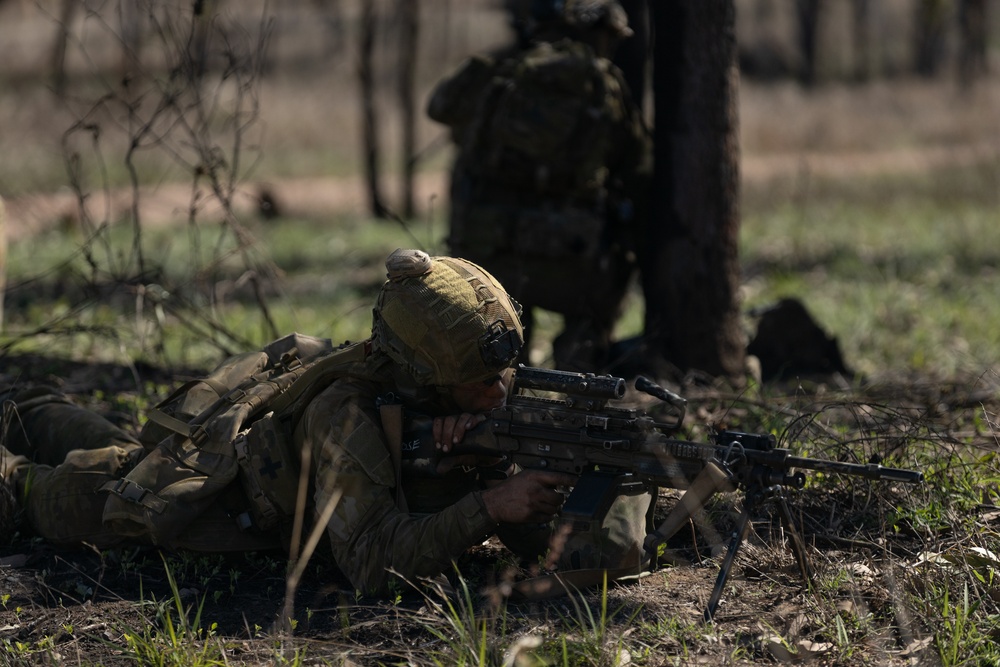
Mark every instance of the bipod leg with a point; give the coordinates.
(739, 534)
(797, 546)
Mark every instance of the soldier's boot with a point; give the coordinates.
(56, 457)
(11, 511)
(44, 425)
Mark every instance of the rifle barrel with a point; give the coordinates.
(866, 470)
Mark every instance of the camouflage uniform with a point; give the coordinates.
(385, 516)
(55, 476)
(548, 181)
(57, 456)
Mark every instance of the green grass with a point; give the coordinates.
(906, 282)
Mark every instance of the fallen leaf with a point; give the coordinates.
(916, 646)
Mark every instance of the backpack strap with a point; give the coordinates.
(311, 381)
(392, 424)
(194, 432)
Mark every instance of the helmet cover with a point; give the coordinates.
(445, 320)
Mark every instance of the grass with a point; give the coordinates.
(903, 280)
(905, 285)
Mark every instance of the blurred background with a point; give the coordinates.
(869, 138)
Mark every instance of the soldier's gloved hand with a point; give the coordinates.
(530, 496)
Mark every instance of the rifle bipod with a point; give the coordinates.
(751, 504)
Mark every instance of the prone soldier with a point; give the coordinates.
(445, 335)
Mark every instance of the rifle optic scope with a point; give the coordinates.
(565, 382)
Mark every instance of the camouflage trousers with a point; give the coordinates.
(57, 457)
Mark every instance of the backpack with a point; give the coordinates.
(235, 423)
(543, 122)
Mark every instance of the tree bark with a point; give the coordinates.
(409, 26)
(861, 31)
(67, 12)
(929, 38)
(366, 78)
(3, 257)
(690, 266)
(808, 14)
(973, 36)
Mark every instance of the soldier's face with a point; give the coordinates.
(483, 396)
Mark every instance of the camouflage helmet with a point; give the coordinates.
(587, 15)
(445, 320)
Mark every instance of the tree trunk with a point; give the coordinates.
(67, 12)
(973, 37)
(691, 265)
(861, 31)
(808, 15)
(366, 78)
(409, 26)
(3, 258)
(929, 39)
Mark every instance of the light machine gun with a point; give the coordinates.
(618, 450)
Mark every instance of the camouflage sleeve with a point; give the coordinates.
(633, 155)
(629, 162)
(371, 538)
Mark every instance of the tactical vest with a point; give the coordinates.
(236, 423)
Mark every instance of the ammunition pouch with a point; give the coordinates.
(268, 472)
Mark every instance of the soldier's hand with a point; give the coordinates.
(530, 496)
(448, 434)
(449, 431)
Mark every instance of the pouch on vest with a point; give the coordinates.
(269, 471)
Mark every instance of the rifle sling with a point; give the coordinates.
(392, 425)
